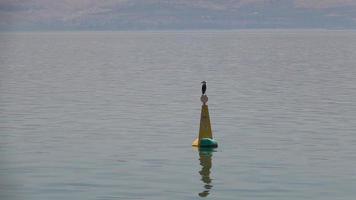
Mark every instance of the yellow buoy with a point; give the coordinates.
(205, 134)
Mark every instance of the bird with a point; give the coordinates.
(203, 88)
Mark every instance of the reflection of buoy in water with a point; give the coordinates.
(205, 138)
(205, 158)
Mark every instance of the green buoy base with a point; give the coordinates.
(208, 143)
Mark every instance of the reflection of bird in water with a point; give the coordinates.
(205, 162)
(203, 88)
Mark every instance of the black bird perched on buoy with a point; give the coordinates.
(203, 88)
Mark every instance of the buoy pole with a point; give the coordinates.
(205, 126)
(205, 138)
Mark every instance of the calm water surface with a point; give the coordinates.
(111, 115)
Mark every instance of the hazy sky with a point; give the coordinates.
(175, 14)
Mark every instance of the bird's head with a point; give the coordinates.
(203, 82)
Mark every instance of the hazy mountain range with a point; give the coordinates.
(175, 14)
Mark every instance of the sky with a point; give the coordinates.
(175, 14)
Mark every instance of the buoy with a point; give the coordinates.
(205, 138)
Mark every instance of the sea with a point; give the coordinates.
(112, 115)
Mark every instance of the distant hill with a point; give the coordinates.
(175, 14)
